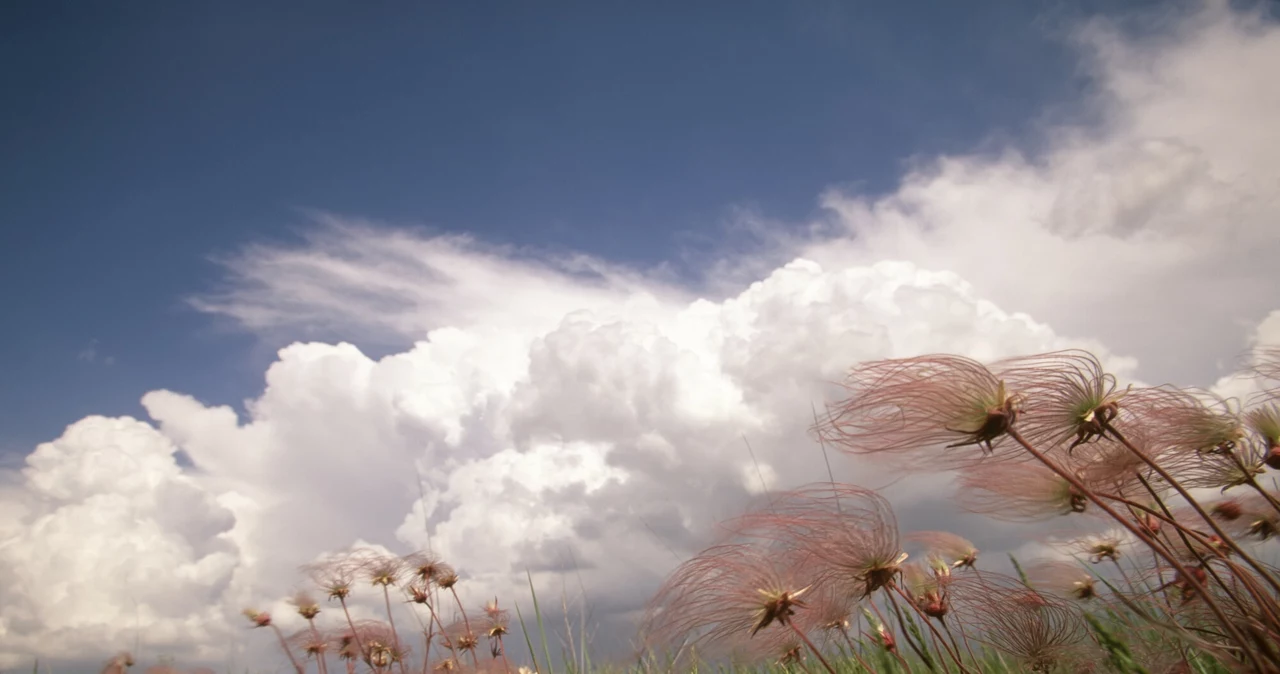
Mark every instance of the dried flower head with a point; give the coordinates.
(847, 534)
(724, 594)
(380, 569)
(306, 604)
(927, 590)
(1065, 579)
(378, 644)
(458, 635)
(335, 574)
(955, 551)
(446, 577)
(1067, 396)
(920, 405)
(1098, 548)
(311, 642)
(258, 618)
(1037, 629)
(424, 566)
(1190, 420)
(1264, 421)
(496, 620)
(1018, 492)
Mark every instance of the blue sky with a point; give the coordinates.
(143, 137)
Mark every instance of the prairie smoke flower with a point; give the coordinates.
(1265, 422)
(425, 566)
(728, 592)
(1222, 469)
(258, 618)
(1227, 510)
(496, 619)
(1065, 394)
(1063, 578)
(1040, 631)
(1111, 467)
(1186, 585)
(918, 405)
(1018, 492)
(446, 577)
(377, 644)
(334, 575)
(380, 569)
(881, 634)
(458, 635)
(419, 593)
(1189, 420)
(927, 590)
(847, 534)
(305, 604)
(1101, 548)
(955, 551)
(310, 642)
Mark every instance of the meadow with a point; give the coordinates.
(1171, 576)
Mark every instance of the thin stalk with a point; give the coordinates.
(466, 622)
(1142, 536)
(1184, 533)
(894, 651)
(288, 651)
(355, 634)
(805, 638)
(906, 634)
(853, 650)
(395, 634)
(955, 655)
(1195, 505)
(322, 661)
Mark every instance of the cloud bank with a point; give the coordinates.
(590, 423)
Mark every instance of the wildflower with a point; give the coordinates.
(419, 594)
(1064, 579)
(334, 575)
(306, 605)
(1066, 394)
(381, 570)
(725, 593)
(847, 534)
(1019, 492)
(1186, 584)
(311, 642)
(1228, 510)
(1265, 422)
(1097, 548)
(954, 550)
(258, 618)
(880, 633)
(425, 566)
(1190, 420)
(918, 405)
(446, 577)
(927, 590)
(377, 644)
(1038, 630)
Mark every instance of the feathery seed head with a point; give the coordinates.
(306, 604)
(258, 618)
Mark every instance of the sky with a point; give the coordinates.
(149, 138)
(269, 271)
